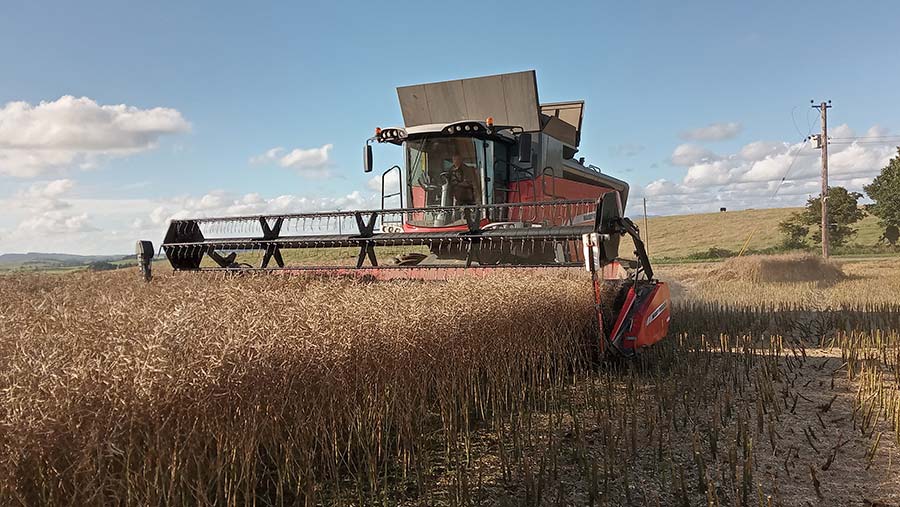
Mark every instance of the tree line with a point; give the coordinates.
(844, 211)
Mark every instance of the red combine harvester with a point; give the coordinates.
(491, 184)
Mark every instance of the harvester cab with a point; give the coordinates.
(488, 143)
(489, 182)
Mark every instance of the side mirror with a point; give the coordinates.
(367, 159)
(524, 148)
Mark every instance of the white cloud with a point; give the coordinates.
(271, 155)
(220, 203)
(51, 189)
(44, 196)
(709, 173)
(45, 212)
(391, 182)
(111, 226)
(761, 149)
(663, 187)
(713, 132)
(309, 161)
(876, 131)
(75, 132)
(56, 222)
(690, 154)
(749, 177)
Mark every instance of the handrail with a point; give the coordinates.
(399, 182)
(544, 182)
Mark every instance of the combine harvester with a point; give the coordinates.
(491, 184)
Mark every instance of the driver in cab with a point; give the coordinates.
(464, 187)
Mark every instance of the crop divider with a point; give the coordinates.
(271, 234)
(366, 230)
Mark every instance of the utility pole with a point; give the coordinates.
(823, 145)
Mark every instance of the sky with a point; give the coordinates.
(117, 116)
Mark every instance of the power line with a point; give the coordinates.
(867, 137)
(794, 121)
(866, 142)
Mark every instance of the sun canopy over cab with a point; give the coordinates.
(510, 99)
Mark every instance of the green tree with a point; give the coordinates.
(843, 212)
(885, 191)
(794, 234)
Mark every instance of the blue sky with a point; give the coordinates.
(235, 80)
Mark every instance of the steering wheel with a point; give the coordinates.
(425, 181)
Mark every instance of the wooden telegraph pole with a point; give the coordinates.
(822, 141)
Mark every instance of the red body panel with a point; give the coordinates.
(650, 320)
(549, 188)
(541, 189)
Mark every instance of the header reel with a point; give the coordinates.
(541, 234)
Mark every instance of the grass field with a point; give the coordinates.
(671, 239)
(678, 236)
(278, 390)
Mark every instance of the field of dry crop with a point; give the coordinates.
(263, 390)
(230, 390)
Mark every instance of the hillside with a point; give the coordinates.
(35, 261)
(670, 238)
(676, 237)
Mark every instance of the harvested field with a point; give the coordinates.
(280, 391)
(866, 283)
(778, 269)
